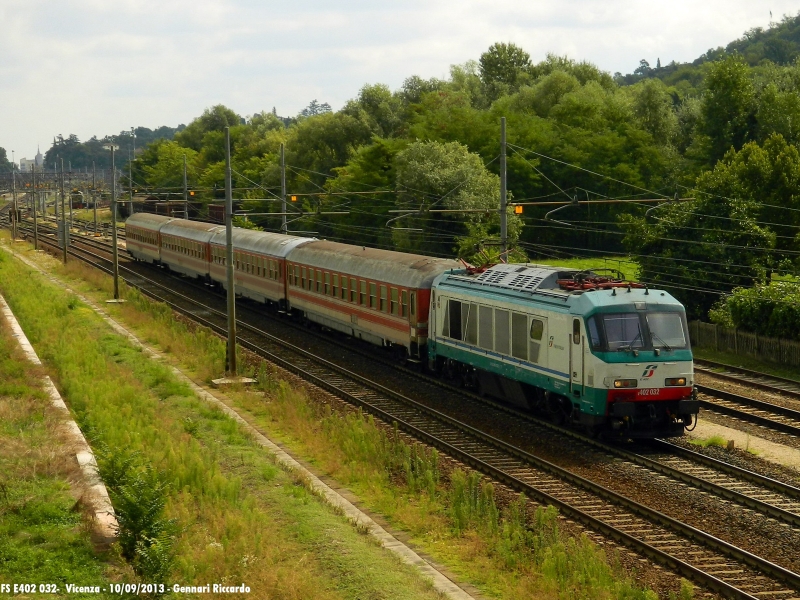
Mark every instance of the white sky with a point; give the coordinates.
(98, 66)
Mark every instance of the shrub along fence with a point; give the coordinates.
(778, 350)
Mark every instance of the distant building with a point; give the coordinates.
(26, 165)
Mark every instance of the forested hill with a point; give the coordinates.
(81, 155)
(778, 44)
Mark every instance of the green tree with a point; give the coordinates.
(214, 119)
(5, 164)
(435, 175)
(162, 165)
(503, 68)
(652, 105)
(728, 106)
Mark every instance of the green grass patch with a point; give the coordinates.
(508, 551)
(629, 268)
(200, 500)
(714, 440)
(44, 535)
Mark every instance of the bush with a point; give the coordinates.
(772, 310)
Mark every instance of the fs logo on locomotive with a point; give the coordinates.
(649, 370)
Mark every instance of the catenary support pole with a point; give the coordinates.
(230, 358)
(284, 227)
(114, 248)
(503, 194)
(35, 210)
(63, 214)
(13, 200)
(94, 195)
(185, 191)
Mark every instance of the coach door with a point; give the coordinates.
(576, 342)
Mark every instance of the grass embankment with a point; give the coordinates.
(628, 268)
(229, 514)
(44, 537)
(513, 552)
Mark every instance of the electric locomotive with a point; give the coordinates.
(611, 356)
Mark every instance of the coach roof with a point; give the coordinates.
(396, 268)
(261, 242)
(194, 230)
(147, 221)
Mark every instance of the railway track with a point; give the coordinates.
(710, 561)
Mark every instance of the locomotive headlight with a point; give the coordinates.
(675, 381)
(625, 383)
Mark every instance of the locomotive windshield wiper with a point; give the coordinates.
(665, 345)
(629, 346)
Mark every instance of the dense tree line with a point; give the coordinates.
(726, 135)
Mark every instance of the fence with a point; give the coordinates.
(706, 335)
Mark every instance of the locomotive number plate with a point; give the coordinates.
(648, 392)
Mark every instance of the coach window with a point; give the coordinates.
(519, 336)
(404, 303)
(344, 288)
(327, 283)
(319, 280)
(373, 295)
(353, 290)
(303, 280)
(335, 285)
(383, 299)
(413, 304)
(393, 305)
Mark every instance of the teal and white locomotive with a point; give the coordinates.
(611, 356)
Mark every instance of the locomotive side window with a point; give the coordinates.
(537, 331)
(594, 333)
(519, 336)
(501, 333)
(454, 307)
(404, 303)
(446, 321)
(485, 333)
(471, 330)
(393, 305)
(383, 305)
(576, 331)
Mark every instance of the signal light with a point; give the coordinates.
(518, 210)
(294, 198)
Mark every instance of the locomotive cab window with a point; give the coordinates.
(667, 330)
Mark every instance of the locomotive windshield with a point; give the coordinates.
(637, 331)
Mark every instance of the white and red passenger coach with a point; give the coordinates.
(377, 295)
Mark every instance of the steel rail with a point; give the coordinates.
(685, 530)
(762, 385)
